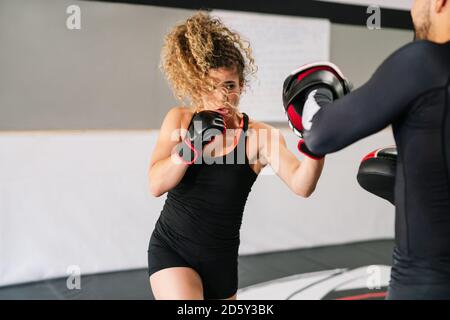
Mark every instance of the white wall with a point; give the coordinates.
(81, 198)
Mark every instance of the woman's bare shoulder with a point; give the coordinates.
(180, 112)
(179, 116)
(259, 125)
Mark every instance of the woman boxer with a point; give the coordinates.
(207, 165)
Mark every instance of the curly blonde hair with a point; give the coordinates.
(197, 45)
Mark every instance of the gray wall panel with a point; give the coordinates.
(106, 76)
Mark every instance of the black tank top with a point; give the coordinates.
(207, 205)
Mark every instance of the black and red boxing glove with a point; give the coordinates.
(301, 146)
(376, 172)
(306, 90)
(202, 130)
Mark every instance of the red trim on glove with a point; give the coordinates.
(314, 69)
(370, 155)
(295, 118)
(300, 143)
(374, 153)
(188, 143)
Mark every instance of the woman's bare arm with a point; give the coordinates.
(164, 172)
(300, 176)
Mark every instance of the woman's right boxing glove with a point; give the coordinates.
(203, 128)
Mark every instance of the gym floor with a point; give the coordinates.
(316, 273)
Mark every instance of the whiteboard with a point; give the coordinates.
(280, 44)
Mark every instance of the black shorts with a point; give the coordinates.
(219, 274)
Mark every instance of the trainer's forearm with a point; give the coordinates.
(305, 178)
(165, 174)
(381, 101)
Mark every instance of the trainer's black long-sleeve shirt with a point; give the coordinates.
(411, 91)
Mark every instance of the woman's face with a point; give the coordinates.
(225, 97)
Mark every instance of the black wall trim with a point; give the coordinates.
(335, 12)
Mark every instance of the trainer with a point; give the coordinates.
(411, 92)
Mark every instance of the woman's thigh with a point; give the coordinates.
(177, 283)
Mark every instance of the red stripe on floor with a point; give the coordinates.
(365, 296)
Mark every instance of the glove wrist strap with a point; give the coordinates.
(304, 149)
